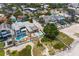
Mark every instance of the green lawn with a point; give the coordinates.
(59, 45)
(53, 43)
(25, 52)
(14, 53)
(1, 44)
(1, 51)
(66, 39)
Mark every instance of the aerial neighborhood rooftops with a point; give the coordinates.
(65, 14)
(29, 26)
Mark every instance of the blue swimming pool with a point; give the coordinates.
(20, 35)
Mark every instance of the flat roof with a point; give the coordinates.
(28, 25)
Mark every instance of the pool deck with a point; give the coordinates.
(21, 38)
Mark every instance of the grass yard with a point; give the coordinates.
(1, 51)
(59, 46)
(14, 53)
(1, 44)
(26, 51)
(53, 43)
(66, 39)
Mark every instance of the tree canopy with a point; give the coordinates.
(51, 30)
(17, 13)
(57, 5)
(34, 5)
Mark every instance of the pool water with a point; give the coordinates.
(20, 36)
